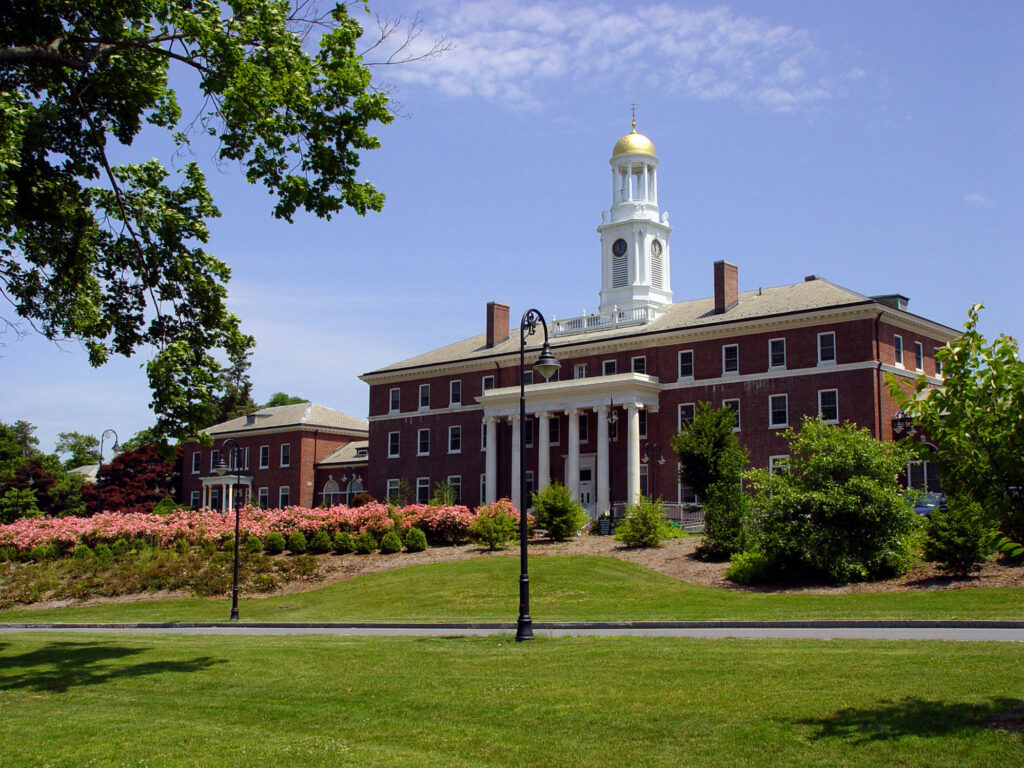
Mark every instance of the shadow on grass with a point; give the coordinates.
(911, 716)
(58, 667)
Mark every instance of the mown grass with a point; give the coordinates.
(334, 701)
(578, 587)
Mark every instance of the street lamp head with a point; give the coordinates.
(221, 467)
(547, 363)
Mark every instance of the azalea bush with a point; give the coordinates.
(496, 524)
(443, 525)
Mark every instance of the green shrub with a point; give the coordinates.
(495, 524)
(415, 540)
(297, 543)
(103, 553)
(208, 548)
(750, 567)
(343, 543)
(119, 548)
(557, 512)
(181, 546)
(839, 511)
(8, 553)
(253, 545)
(644, 524)
(366, 543)
(83, 552)
(274, 543)
(44, 552)
(725, 512)
(320, 543)
(391, 543)
(958, 539)
(165, 506)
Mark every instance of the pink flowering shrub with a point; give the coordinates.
(442, 525)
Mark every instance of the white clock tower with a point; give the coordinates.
(635, 241)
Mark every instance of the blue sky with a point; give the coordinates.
(876, 144)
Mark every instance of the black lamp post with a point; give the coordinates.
(220, 469)
(546, 365)
(613, 418)
(903, 424)
(99, 470)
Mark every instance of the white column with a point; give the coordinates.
(543, 450)
(229, 496)
(647, 187)
(516, 438)
(572, 471)
(632, 453)
(615, 186)
(491, 460)
(654, 185)
(603, 500)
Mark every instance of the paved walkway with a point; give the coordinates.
(1012, 631)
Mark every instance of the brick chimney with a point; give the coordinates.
(726, 286)
(497, 323)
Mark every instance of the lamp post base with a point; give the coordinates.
(524, 629)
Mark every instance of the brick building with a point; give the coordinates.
(301, 454)
(632, 373)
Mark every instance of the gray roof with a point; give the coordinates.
(346, 454)
(812, 294)
(87, 471)
(311, 415)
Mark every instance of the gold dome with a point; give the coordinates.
(634, 143)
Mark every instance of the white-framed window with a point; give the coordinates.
(245, 458)
(286, 454)
(529, 487)
(608, 368)
(938, 363)
(215, 498)
(897, 349)
(778, 464)
(734, 404)
(264, 457)
(684, 493)
(393, 442)
(394, 400)
(263, 497)
(553, 430)
(455, 483)
(638, 364)
(826, 348)
(730, 359)
(197, 463)
(423, 442)
(579, 371)
(686, 364)
(483, 436)
(686, 413)
(828, 405)
(422, 490)
(776, 353)
(483, 487)
(391, 489)
(487, 383)
(528, 432)
(527, 378)
(584, 423)
(918, 356)
(778, 411)
(455, 439)
(196, 499)
(643, 423)
(645, 482)
(284, 496)
(424, 397)
(332, 493)
(455, 392)
(214, 458)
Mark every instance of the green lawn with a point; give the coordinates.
(87, 700)
(562, 588)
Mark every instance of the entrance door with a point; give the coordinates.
(587, 490)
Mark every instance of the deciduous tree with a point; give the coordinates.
(113, 254)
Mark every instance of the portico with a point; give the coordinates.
(630, 392)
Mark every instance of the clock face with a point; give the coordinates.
(619, 247)
(656, 248)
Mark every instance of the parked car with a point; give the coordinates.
(926, 502)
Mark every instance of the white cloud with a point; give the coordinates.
(977, 198)
(510, 52)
